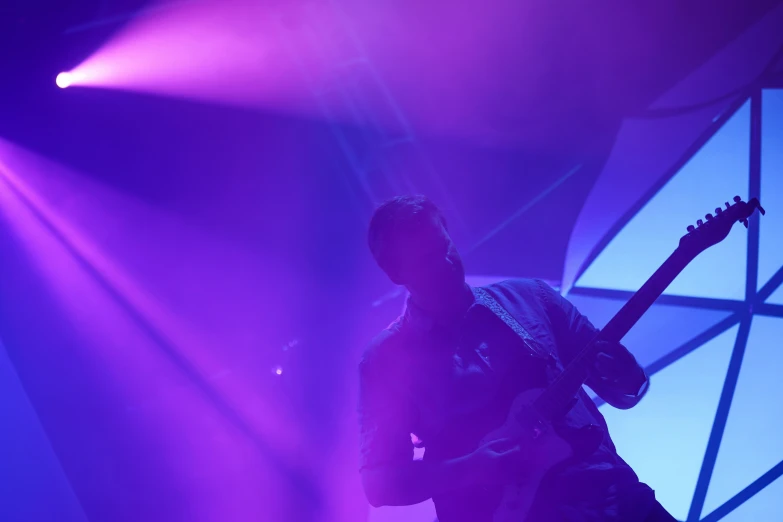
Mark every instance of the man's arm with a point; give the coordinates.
(390, 476)
(617, 378)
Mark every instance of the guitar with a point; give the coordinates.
(531, 412)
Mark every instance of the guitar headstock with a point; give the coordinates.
(715, 227)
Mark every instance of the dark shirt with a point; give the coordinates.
(418, 377)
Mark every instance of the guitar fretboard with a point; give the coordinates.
(561, 392)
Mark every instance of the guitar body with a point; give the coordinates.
(543, 449)
(510, 415)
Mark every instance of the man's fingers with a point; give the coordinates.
(513, 449)
(503, 445)
(607, 365)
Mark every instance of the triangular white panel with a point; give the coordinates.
(664, 437)
(766, 505)
(771, 225)
(662, 329)
(776, 297)
(752, 442)
(712, 176)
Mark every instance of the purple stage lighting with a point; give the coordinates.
(64, 79)
(224, 51)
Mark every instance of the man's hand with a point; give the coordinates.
(617, 368)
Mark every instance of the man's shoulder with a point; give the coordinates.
(530, 293)
(520, 287)
(382, 347)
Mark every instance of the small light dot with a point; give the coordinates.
(279, 371)
(64, 80)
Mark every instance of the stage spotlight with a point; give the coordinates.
(64, 79)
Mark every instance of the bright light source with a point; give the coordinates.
(279, 371)
(64, 79)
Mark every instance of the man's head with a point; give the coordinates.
(410, 242)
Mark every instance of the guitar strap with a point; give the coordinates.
(486, 299)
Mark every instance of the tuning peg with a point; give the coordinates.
(728, 205)
(699, 222)
(737, 199)
(708, 217)
(718, 210)
(691, 228)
